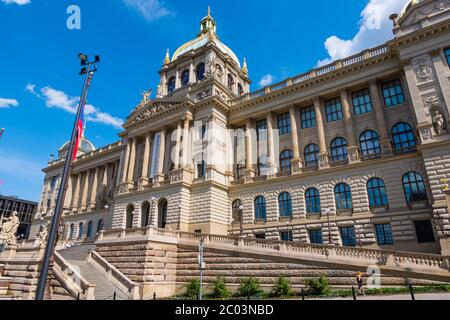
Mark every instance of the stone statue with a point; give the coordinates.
(159, 91)
(8, 229)
(42, 235)
(439, 123)
(146, 95)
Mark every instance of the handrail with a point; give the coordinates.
(78, 282)
(131, 287)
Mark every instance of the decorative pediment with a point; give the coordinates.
(151, 109)
(415, 14)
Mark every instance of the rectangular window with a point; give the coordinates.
(53, 183)
(447, 55)
(286, 236)
(333, 109)
(308, 116)
(315, 236)
(424, 231)
(384, 234)
(362, 102)
(393, 93)
(284, 124)
(261, 130)
(348, 236)
(261, 236)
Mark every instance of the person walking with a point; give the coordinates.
(359, 280)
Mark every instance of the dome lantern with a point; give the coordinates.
(208, 24)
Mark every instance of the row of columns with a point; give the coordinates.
(92, 180)
(378, 110)
(130, 164)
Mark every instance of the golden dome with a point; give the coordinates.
(207, 35)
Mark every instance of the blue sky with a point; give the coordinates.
(39, 84)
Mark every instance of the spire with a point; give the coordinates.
(166, 58)
(208, 24)
(244, 67)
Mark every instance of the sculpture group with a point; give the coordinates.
(8, 230)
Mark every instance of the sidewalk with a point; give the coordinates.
(418, 296)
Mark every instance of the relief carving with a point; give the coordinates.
(423, 68)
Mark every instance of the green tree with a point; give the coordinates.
(282, 288)
(219, 289)
(319, 287)
(250, 287)
(193, 289)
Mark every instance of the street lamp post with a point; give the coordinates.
(88, 69)
(327, 211)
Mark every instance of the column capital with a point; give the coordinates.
(317, 99)
(373, 81)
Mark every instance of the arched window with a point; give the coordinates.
(403, 138)
(260, 208)
(100, 226)
(171, 85)
(162, 214)
(285, 204)
(185, 78)
(343, 196)
(312, 198)
(145, 214)
(312, 155)
(376, 190)
(130, 213)
(230, 82)
(414, 187)
(236, 208)
(90, 230)
(80, 230)
(240, 89)
(200, 72)
(285, 162)
(339, 149)
(71, 231)
(370, 145)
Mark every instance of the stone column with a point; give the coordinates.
(177, 79)
(378, 109)
(94, 192)
(296, 161)
(249, 134)
(132, 164)
(176, 155)
(162, 147)
(126, 162)
(76, 194)
(105, 182)
(69, 193)
(191, 72)
(352, 145)
(323, 154)
(185, 160)
(146, 160)
(271, 146)
(85, 192)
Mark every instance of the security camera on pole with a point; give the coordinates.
(88, 69)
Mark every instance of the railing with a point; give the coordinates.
(132, 288)
(321, 71)
(351, 255)
(72, 278)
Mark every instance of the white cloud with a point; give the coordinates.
(375, 28)
(8, 103)
(149, 9)
(266, 80)
(19, 2)
(59, 99)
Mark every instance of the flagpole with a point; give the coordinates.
(51, 242)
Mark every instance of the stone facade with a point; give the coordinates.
(180, 166)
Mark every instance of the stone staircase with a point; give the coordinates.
(104, 288)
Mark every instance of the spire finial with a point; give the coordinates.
(167, 58)
(244, 67)
(209, 11)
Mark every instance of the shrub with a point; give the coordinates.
(193, 289)
(219, 289)
(319, 287)
(250, 287)
(282, 288)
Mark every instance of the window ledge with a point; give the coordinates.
(418, 205)
(380, 209)
(285, 219)
(260, 221)
(345, 213)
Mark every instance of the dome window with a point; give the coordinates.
(185, 78)
(201, 72)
